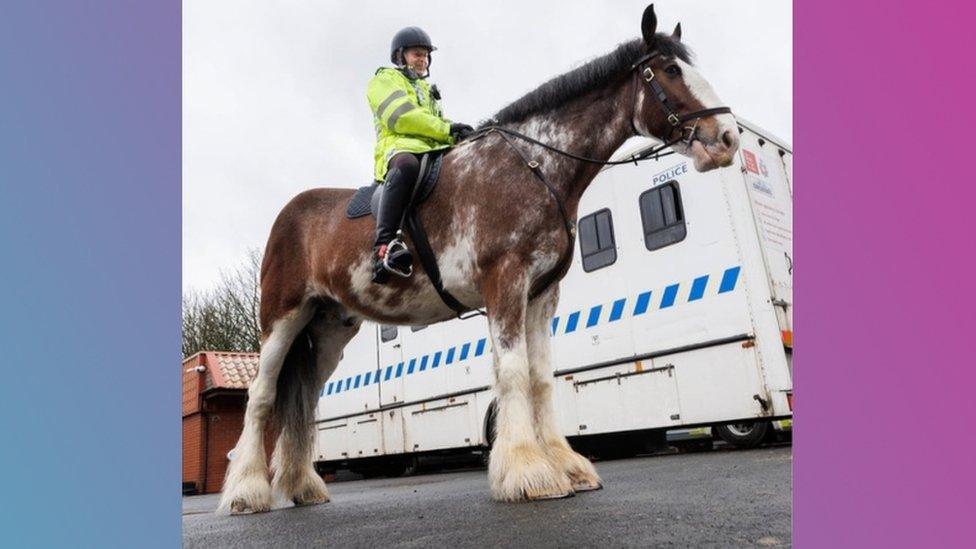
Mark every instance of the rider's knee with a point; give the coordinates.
(405, 167)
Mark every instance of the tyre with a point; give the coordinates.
(745, 434)
(398, 467)
(490, 424)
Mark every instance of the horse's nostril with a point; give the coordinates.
(728, 138)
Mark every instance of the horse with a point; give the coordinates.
(501, 243)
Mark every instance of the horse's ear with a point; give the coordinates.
(677, 32)
(649, 25)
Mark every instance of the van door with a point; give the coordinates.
(770, 197)
(391, 370)
(631, 396)
(787, 158)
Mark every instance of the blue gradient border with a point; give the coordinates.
(90, 241)
(90, 120)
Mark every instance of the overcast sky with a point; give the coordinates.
(274, 92)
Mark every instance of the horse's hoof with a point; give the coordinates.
(306, 488)
(582, 475)
(241, 507)
(525, 473)
(305, 502)
(531, 495)
(247, 497)
(587, 486)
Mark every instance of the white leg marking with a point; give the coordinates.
(519, 468)
(579, 469)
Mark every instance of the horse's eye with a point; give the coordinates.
(673, 70)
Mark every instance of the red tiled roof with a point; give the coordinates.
(226, 370)
(236, 369)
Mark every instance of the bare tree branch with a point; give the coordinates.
(225, 318)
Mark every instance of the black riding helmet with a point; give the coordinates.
(407, 38)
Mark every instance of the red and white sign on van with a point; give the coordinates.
(752, 163)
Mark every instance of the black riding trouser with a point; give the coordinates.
(400, 177)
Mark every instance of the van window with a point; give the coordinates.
(388, 333)
(662, 216)
(417, 328)
(597, 245)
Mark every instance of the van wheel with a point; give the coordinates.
(399, 467)
(746, 434)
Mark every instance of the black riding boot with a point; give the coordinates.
(396, 193)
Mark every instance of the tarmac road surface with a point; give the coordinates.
(730, 498)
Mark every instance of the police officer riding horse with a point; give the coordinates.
(505, 251)
(408, 123)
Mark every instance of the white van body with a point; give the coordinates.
(693, 333)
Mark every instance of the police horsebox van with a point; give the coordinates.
(676, 314)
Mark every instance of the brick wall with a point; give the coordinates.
(192, 385)
(193, 443)
(211, 425)
(225, 415)
(225, 429)
(193, 449)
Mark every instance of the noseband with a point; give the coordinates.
(643, 71)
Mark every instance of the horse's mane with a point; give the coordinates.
(591, 75)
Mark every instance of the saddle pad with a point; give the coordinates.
(360, 205)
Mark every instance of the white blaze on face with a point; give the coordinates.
(703, 92)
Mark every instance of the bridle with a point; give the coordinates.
(642, 71)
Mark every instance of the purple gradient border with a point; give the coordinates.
(884, 276)
(90, 238)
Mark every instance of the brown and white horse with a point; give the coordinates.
(496, 232)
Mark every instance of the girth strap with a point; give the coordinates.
(427, 259)
(424, 250)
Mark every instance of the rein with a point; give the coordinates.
(634, 158)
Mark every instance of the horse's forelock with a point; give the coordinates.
(670, 47)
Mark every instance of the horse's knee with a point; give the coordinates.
(511, 375)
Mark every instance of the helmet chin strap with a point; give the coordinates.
(412, 74)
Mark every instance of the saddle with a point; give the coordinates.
(366, 199)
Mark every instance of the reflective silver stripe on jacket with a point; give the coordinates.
(404, 108)
(386, 102)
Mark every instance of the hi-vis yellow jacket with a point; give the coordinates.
(406, 117)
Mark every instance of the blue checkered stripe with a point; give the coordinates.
(447, 357)
(641, 304)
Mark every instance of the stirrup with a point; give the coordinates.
(396, 245)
